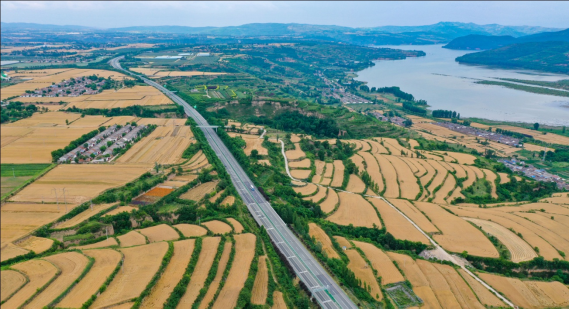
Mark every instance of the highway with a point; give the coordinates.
(323, 288)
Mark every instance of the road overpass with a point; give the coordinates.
(323, 288)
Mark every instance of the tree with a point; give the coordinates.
(103, 148)
(536, 126)
(254, 154)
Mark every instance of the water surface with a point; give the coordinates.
(447, 85)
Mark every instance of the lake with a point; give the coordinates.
(447, 85)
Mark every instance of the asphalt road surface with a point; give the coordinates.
(323, 288)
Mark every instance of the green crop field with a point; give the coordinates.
(16, 175)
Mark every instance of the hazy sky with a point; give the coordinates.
(353, 14)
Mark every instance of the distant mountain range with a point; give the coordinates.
(442, 32)
(483, 42)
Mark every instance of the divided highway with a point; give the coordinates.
(323, 288)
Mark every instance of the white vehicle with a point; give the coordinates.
(252, 187)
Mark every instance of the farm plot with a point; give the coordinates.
(319, 171)
(415, 215)
(121, 209)
(140, 265)
(81, 182)
(441, 174)
(83, 216)
(486, 297)
(48, 119)
(131, 238)
(321, 194)
(300, 174)
(297, 153)
(439, 285)
(125, 97)
(101, 244)
(198, 192)
(362, 271)
(172, 275)
(160, 232)
(214, 285)
(15, 175)
(376, 148)
(152, 195)
(19, 219)
(11, 281)
(39, 273)
(373, 169)
(407, 181)
(259, 291)
(217, 227)
(396, 224)
(201, 271)
(189, 230)
(321, 237)
(329, 204)
(355, 210)
(445, 190)
(328, 170)
(307, 190)
(278, 301)
(253, 142)
(380, 262)
(390, 175)
(460, 289)
(529, 294)
(228, 201)
(421, 285)
(164, 145)
(71, 265)
(244, 253)
(305, 163)
(36, 244)
(237, 227)
(343, 242)
(457, 234)
(358, 161)
(504, 177)
(106, 260)
(355, 184)
(491, 177)
(338, 174)
(520, 250)
(10, 251)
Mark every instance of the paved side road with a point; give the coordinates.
(323, 288)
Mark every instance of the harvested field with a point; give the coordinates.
(307, 190)
(218, 276)
(529, 294)
(120, 209)
(421, 285)
(237, 227)
(205, 260)
(160, 232)
(329, 204)
(326, 181)
(328, 170)
(81, 182)
(415, 215)
(10, 251)
(189, 230)
(229, 200)
(164, 145)
(36, 244)
(106, 260)
(20, 219)
(321, 194)
(217, 227)
(317, 233)
(319, 170)
(358, 161)
(252, 142)
(460, 289)
(355, 184)
(519, 249)
(491, 177)
(71, 265)
(11, 281)
(48, 119)
(343, 242)
(354, 209)
(338, 174)
(363, 272)
(471, 177)
(439, 177)
(376, 148)
(172, 275)
(380, 262)
(244, 253)
(463, 159)
(260, 288)
(390, 175)
(168, 122)
(305, 163)
(198, 192)
(131, 238)
(457, 234)
(101, 244)
(83, 216)
(300, 174)
(396, 224)
(446, 190)
(486, 297)
(213, 198)
(294, 138)
(278, 301)
(438, 284)
(504, 177)
(297, 153)
(39, 272)
(407, 181)
(140, 264)
(373, 169)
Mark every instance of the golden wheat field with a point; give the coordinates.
(355, 210)
(323, 239)
(380, 262)
(214, 285)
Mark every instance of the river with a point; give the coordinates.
(448, 85)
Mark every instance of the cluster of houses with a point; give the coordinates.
(101, 147)
(68, 88)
